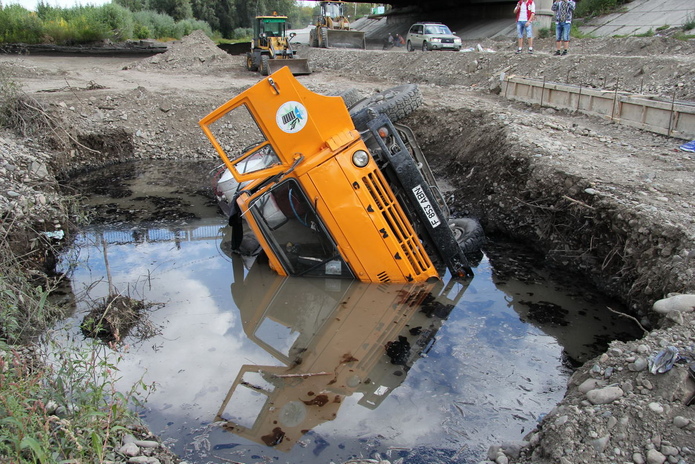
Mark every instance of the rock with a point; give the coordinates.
(129, 449)
(604, 395)
(655, 457)
(591, 384)
(599, 444)
(640, 364)
(656, 407)
(147, 443)
(680, 422)
(682, 303)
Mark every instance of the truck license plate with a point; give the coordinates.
(426, 206)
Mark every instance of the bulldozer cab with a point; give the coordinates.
(333, 29)
(267, 29)
(332, 15)
(271, 48)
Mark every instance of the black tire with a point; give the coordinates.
(469, 234)
(323, 42)
(251, 65)
(409, 46)
(265, 67)
(314, 38)
(396, 103)
(350, 96)
(425, 48)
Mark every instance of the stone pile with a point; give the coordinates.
(624, 406)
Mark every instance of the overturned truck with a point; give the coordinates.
(333, 186)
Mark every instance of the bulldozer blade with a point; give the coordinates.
(297, 66)
(346, 39)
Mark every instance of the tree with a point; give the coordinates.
(177, 9)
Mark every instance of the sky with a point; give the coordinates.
(31, 4)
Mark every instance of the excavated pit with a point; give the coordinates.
(516, 193)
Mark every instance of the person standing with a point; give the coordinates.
(564, 10)
(525, 14)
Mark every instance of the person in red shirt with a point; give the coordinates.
(525, 11)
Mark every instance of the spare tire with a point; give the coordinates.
(396, 103)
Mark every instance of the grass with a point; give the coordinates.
(72, 413)
(689, 22)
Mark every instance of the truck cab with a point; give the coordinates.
(331, 192)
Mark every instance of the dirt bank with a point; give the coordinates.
(612, 202)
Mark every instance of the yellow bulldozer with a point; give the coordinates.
(333, 29)
(271, 47)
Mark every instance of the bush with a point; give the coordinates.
(19, 25)
(242, 33)
(115, 19)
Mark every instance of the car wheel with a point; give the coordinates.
(425, 48)
(469, 234)
(396, 103)
(409, 47)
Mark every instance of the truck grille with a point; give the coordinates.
(397, 223)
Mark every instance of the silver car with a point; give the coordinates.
(431, 36)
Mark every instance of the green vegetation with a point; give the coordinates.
(649, 33)
(689, 22)
(591, 8)
(71, 413)
(663, 28)
(142, 19)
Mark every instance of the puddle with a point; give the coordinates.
(252, 367)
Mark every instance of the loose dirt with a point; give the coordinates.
(612, 202)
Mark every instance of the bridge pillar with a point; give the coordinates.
(544, 16)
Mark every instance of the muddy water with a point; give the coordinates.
(251, 367)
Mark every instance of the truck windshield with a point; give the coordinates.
(296, 234)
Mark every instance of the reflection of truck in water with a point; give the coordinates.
(332, 29)
(271, 48)
(341, 338)
(335, 192)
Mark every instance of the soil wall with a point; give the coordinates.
(512, 189)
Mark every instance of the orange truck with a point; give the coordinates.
(328, 187)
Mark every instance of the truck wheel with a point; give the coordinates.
(265, 67)
(468, 233)
(396, 103)
(314, 38)
(350, 96)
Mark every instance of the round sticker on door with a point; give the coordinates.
(291, 117)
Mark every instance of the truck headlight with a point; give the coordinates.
(360, 158)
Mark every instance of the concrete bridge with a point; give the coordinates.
(474, 19)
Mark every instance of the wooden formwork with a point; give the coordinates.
(667, 117)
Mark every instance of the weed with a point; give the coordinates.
(649, 33)
(70, 413)
(663, 28)
(689, 22)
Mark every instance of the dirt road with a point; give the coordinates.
(612, 202)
